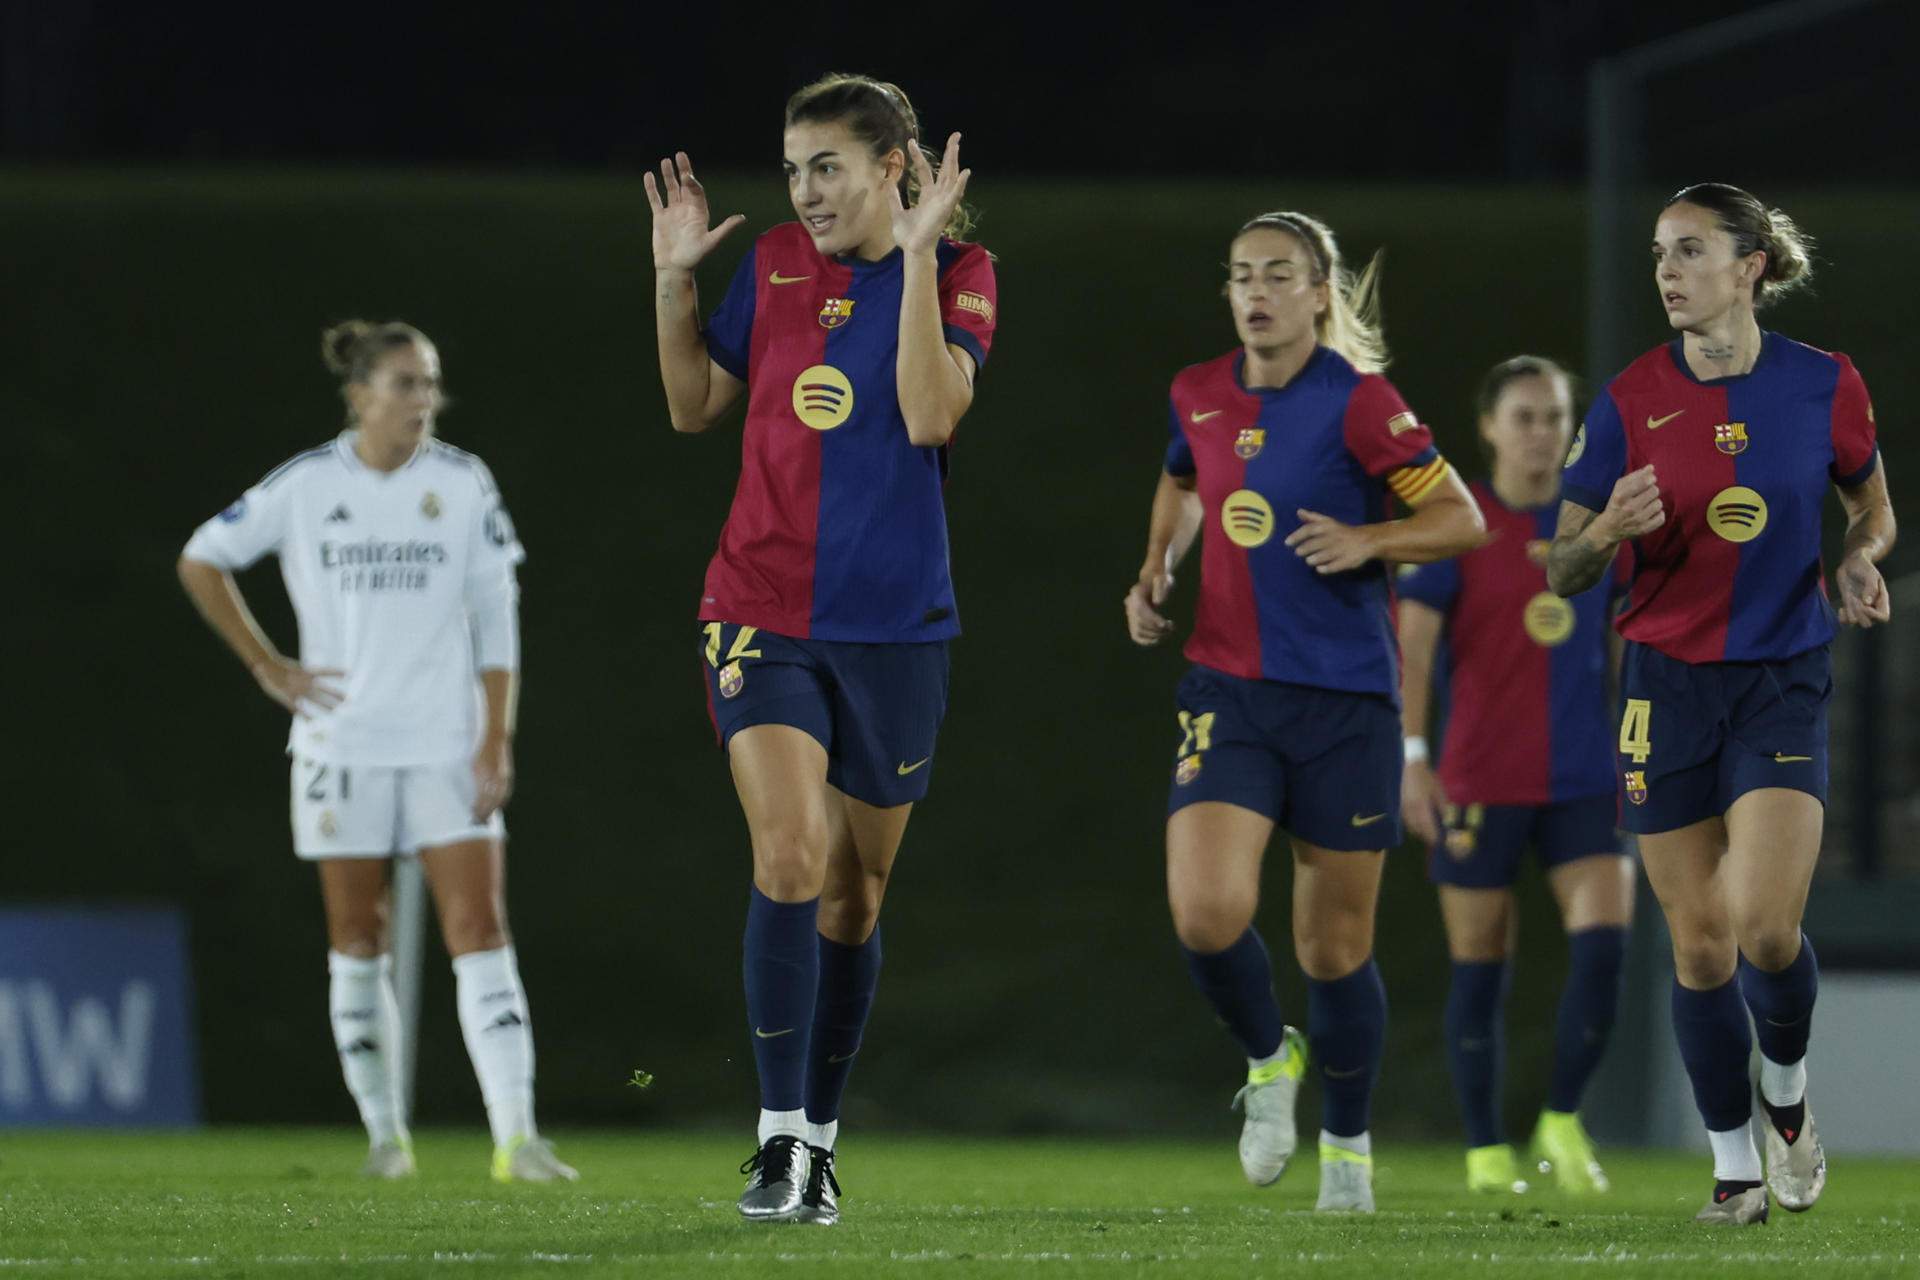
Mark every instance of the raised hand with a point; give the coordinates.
(1145, 623)
(296, 687)
(917, 229)
(1864, 599)
(680, 235)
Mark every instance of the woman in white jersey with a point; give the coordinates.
(399, 558)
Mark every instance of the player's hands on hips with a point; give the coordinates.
(1634, 508)
(297, 688)
(679, 203)
(917, 230)
(1328, 545)
(1864, 599)
(492, 775)
(1422, 799)
(1145, 623)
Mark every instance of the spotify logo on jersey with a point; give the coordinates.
(1549, 620)
(1737, 514)
(1247, 517)
(822, 397)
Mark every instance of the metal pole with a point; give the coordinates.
(409, 948)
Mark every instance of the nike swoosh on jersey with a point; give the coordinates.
(1198, 417)
(777, 278)
(1654, 424)
(769, 1035)
(904, 768)
(836, 1058)
(1359, 821)
(1781, 758)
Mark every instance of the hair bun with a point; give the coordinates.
(337, 344)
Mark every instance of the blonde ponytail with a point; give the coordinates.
(1351, 323)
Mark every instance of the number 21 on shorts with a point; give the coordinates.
(1636, 729)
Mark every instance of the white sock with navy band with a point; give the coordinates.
(499, 1036)
(366, 1033)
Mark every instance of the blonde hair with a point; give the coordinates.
(879, 115)
(1351, 323)
(352, 348)
(1756, 229)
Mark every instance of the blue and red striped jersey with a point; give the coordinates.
(1743, 464)
(1334, 441)
(1528, 720)
(838, 530)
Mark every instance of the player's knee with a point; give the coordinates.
(1325, 957)
(1210, 923)
(1703, 956)
(848, 913)
(1770, 947)
(478, 925)
(360, 933)
(790, 860)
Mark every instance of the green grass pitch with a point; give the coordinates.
(245, 1203)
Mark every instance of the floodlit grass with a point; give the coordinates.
(287, 1202)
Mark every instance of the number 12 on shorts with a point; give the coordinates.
(1636, 730)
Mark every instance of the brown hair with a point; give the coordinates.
(879, 115)
(352, 348)
(1755, 229)
(1351, 322)
(1507, 372)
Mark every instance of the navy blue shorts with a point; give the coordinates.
(876, 708)
(1695, 737)
(1482, 844)
(1322, 763)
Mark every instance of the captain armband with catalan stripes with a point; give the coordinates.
(1412, 484)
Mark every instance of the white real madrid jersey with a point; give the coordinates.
(381, 568)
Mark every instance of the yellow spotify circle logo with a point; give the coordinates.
(1737, 514)
(1549, 620)
(1247, 517)
(822, 397)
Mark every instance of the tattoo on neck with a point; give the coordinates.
(1717, 353)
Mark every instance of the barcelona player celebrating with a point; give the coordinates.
(1525, 762)
(1286, 450)
(855, 332)
(1712, 455)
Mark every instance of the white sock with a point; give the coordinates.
(792, 1123)
(1361, 1144)
(819, 1135)
(1782, 1085)
(366, 1033)
(499, 1035)
(1735, 1158)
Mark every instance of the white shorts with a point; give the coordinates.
(371, 811)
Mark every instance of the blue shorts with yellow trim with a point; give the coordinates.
(1695, 737)
(1481, 845)
(1324, 764)
(876, 708)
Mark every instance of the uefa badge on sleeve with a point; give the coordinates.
(1637, 785)
(731, 680)
(1187, 770)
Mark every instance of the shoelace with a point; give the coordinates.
(773, 1161)
(822, 1172)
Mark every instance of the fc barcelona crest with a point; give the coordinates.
(836, 313)
(1187, 770)
(1250, 441)
(731, 680)
(1730, 437)
(1637, 785)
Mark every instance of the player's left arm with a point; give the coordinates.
(1391, 444)
(492, 598)
(1864, 599)
(934, 373)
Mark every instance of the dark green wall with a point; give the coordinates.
(158, 342)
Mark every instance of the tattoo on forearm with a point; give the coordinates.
(1573, 564)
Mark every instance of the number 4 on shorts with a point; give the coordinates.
(1635, 729)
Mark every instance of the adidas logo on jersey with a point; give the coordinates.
(339, 515)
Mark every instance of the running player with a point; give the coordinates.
(399, 558)
(855, 333)
(1712, 455)
(1286, 450)
(1525, 763)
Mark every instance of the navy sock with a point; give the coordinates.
(848, 978)
(1596, 960)
(1238, 983)
(1347, 1026)
(782, 971)
(1476, 1049)
(1715, 1042)
(1782, 1004)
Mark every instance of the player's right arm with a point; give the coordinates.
(699, 389)
(1603, 505)
(1171, 529)
(234, 539)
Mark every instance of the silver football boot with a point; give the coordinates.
(1796, 1168)
(777, 1174)
(820, 1200)
(1741, 1209)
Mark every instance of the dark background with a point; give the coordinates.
(185, 201)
